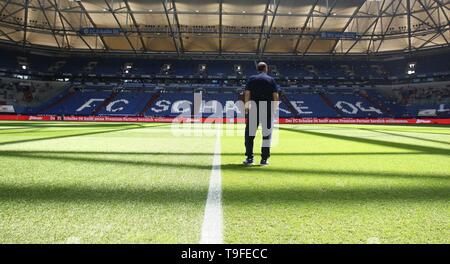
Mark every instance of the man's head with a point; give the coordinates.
(262, 67)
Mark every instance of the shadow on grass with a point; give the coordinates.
(414, 131)
(20, 131)
(126, 128)
(15, 128)
(157, 153)
(406, 136)
(266, 171)
(424, 149)
(186, 195)
(301, 172)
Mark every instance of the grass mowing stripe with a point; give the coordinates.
(82, 189)
(367, 140)
(213, 220)
(314, 192)
(71, 134)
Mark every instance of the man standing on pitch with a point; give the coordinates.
(261, 102)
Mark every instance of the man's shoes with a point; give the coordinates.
(248, 162)
(264, 162)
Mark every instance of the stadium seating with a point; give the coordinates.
(349, 105)
(343, 69)
(306, 105)
(172, 104)
(50, 85)
(126, 103)
(59, 98)
(82, 103)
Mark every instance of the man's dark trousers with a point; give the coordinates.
(253, 120)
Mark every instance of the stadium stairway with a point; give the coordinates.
(329, 103)
(291, 108)
(105, 103)
(58, 102)
(150, 102)
(374, 101)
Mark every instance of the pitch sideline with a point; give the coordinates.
(212, 227)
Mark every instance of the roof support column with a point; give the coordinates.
(25, 25)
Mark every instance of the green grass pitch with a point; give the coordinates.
(140, 183)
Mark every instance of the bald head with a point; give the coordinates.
(262, 67)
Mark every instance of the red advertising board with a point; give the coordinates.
(379, 121)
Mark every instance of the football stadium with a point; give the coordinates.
(126, 121)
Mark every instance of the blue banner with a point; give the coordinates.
(339, 35)
(100, 31)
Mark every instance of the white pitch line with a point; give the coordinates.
(213, 220)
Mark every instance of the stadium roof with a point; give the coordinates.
(261, 27)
